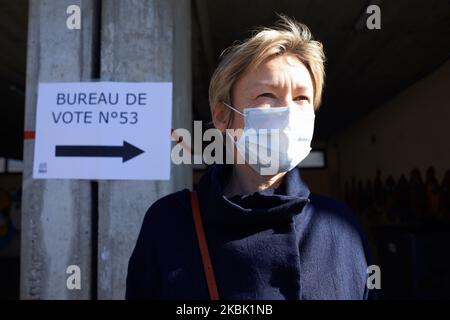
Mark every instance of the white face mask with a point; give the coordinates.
(277, 139)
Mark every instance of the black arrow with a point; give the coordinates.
(127, 151)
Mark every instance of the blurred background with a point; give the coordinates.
(380, 144)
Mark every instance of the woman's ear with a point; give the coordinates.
(221, 116)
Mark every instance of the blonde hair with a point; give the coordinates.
(286, 37)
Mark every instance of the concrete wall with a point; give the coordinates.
(56, 214)
(411, 130)
(141, 41)
(145, 40)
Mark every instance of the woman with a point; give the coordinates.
(253, 230)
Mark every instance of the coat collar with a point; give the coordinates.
(271, 206)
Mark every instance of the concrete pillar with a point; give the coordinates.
(56, 222)
(142, 40)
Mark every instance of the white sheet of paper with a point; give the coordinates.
(81, 128)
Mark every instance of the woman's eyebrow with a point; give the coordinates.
(272, 85)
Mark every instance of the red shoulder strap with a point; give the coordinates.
(207, 265)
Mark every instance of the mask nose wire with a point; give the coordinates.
(234, 109)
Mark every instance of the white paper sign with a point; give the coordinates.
(103, 130)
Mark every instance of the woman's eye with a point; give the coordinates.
(267, 95)
(300, 98)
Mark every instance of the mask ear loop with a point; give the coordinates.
(229, 123)
(230, 119)
(234, 109)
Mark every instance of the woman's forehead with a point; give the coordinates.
(278, 72)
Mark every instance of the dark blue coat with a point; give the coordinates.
(282, 243)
